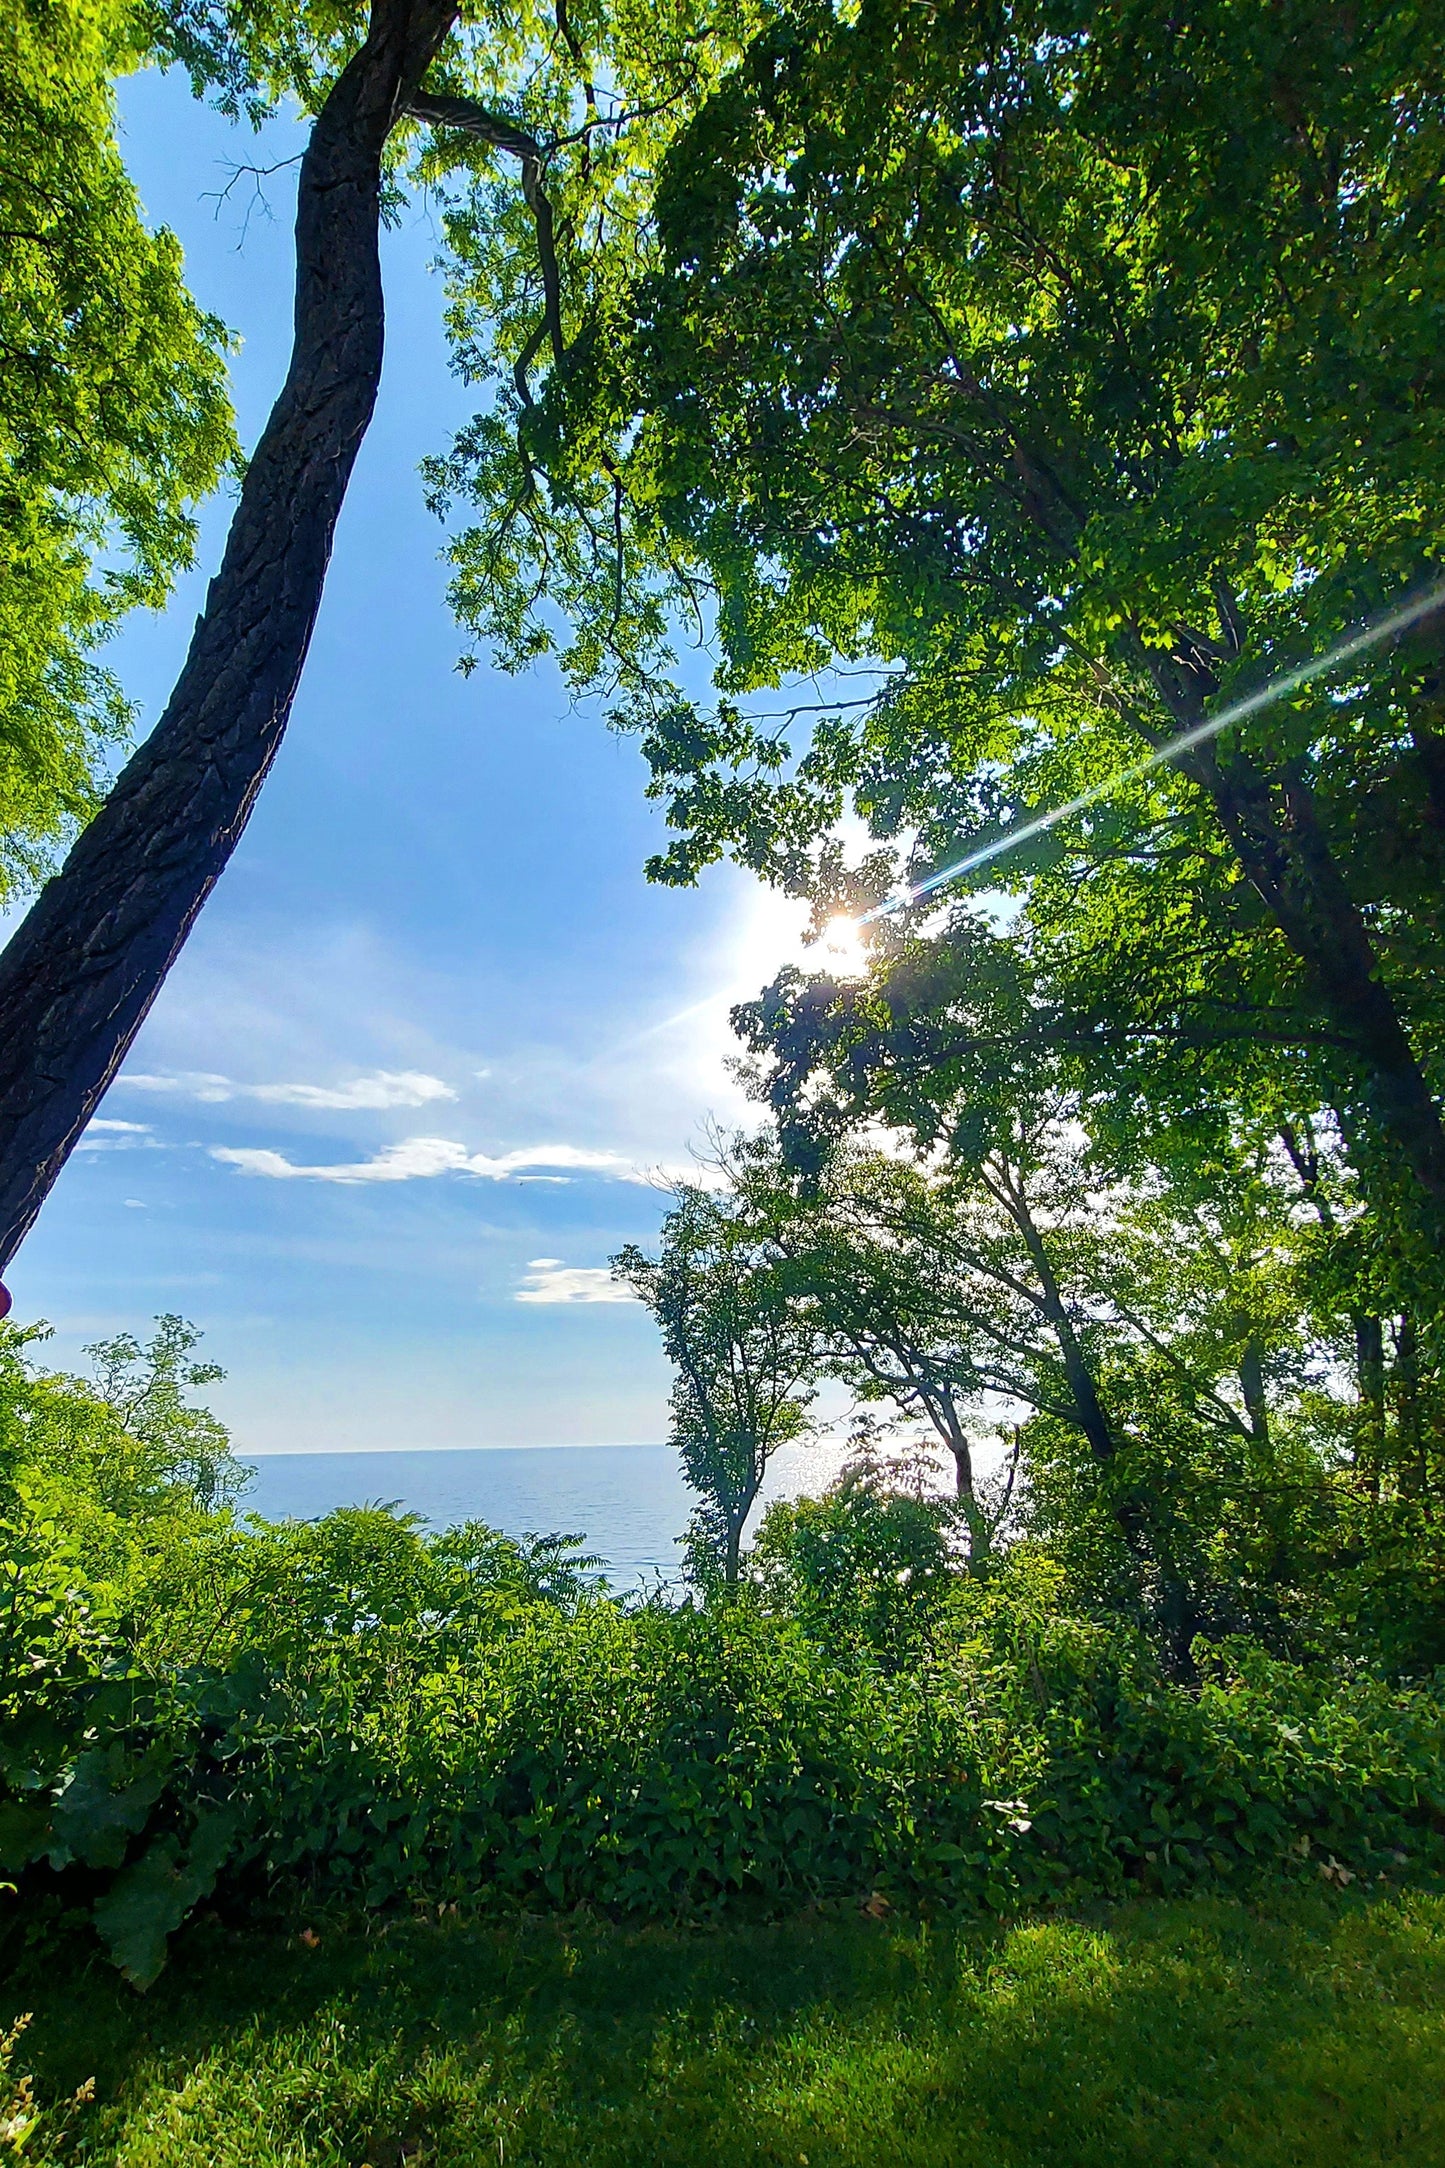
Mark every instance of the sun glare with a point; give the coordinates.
(772, 932)
(843, 949)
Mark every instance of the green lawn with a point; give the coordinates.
(1308, 2031)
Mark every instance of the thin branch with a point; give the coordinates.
(258, 194)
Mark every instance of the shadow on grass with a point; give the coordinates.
(1306, 2031)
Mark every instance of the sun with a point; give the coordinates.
(842, 948)
(772, 932)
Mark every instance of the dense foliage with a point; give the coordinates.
(201, 1708)
(1058, 430)
(1062, 378)
(114, 419)
(1057, 427)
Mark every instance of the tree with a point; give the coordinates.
(1084, 374)
(128, 1443)
(78, 977)
(745, 1353)
(870, 1248)
(114, 418)
(145, 1388)
(970, 1282)
(1152, 1332)
(579, 117)
(1215, 1183)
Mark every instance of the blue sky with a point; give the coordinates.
(401, 1095)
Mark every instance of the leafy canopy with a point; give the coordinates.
(114, 417)
(950, 354)
(1067, 372)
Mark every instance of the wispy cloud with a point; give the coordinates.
(547, 1279)
(103, 1135)
(423, 1158)
(384, 1088)
(381, 1089)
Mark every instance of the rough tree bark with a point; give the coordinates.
(1275, 831)
(1251, 1385)
(80, 974)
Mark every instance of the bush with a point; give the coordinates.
(656, 1762)
(863, 1564)
(380, 1718)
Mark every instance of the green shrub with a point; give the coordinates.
(193, 1705)
(680, 1762)
(861, 1564)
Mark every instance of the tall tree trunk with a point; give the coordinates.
(733, 1550)
(80, 974)
(1370, 1373)
(1084, 1392)
(1276, 835)
(1146, 1533)
(1413, 1463)
(943, 1413)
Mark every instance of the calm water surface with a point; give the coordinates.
(628, 1501)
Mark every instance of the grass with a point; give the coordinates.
(1307, 2031)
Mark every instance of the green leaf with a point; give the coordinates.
(105, 1802)
(148, 1900)
(22, 1835)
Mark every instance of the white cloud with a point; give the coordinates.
(547, 1279)
(383, 1088)
(103, 1135)
(386, 1088)
(185, 1084)
(416, 1158)
(422, 1158)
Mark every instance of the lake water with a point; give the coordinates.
(628, 1501)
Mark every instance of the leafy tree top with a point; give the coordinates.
(114, 418)
(1071, 374)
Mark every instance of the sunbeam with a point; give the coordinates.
(1398, 620)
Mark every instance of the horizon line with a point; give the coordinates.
(554, 1445)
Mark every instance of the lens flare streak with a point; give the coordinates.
(1398, 620)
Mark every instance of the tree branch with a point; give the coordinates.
(467, 117)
